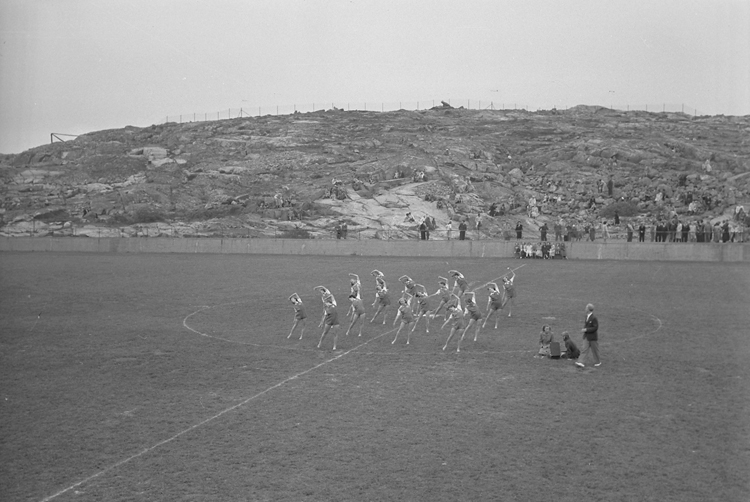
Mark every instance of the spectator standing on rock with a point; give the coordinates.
(519, 230)
(558, 231)
(423, 230)
(617, 217)
(462, 230)
(610, 187)
(543, 229)
(592, 233)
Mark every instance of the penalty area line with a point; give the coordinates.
(210, 419)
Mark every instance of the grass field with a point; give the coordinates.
(170, 377)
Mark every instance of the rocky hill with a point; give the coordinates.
(300, 175)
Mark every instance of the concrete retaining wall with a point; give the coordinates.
(471, 249)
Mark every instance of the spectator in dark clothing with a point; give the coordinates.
(571, 350)
(610, 187)
(641, 232)
(558, 231)
(544, 229)
(617, 218)
(462, 230)
(423, 231)
(661, 231)
(519, 230)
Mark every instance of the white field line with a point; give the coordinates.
(210, 419)
(238, 405)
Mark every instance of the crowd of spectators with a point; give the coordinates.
(542, 250)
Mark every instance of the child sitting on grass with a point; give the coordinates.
(545, 339)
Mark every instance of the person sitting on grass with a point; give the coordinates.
(571, 349)
(546, 337)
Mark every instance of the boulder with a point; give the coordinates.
(558, 166)
(154, 153)
(161, 162)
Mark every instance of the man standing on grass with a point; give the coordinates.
(590, 338)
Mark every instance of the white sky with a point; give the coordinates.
(75, 66)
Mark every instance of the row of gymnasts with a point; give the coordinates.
(415, 303)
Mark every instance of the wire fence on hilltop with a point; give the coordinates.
(382, 106)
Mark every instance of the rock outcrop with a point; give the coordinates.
(264, 176)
